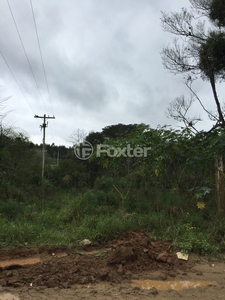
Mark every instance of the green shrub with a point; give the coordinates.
(104, 183)
(12, 209)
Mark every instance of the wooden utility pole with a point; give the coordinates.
(43, 126)
(57, 161)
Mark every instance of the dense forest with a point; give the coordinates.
(170, 192)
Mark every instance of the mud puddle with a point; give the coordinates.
(170, 285)
(21, 262)
(8, 296)
(30, 260)
(95, 253)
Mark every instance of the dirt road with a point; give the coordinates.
(133, 267)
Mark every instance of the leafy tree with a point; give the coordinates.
(19, 164)
(212, 55)
(118, 131)
(56, 151)
(178, 163)
(70, 173)
(217, 12)
(95, 138)
(197, 52)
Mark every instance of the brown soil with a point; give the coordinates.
(104, 273)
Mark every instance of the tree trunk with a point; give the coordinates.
(219, 110)
(220, 193)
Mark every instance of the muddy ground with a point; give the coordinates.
(118, 270)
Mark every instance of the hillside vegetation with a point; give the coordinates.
(170, 192)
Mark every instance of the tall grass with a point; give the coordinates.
(66, 219)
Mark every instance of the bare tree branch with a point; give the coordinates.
(2, 107)
(178, 110)
(188, 82)
(201, 6)
(77, 137)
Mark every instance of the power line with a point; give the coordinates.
(16, 80)
(43, 66)
(25, 53)
(39, 45)
(28, 61)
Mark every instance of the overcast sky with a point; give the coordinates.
(102, 63)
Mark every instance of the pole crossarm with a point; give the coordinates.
(44, 117)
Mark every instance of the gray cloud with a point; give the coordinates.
(102, 62)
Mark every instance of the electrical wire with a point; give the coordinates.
(43, 67)
(28, 61)
(39, 46)
(16, 81)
